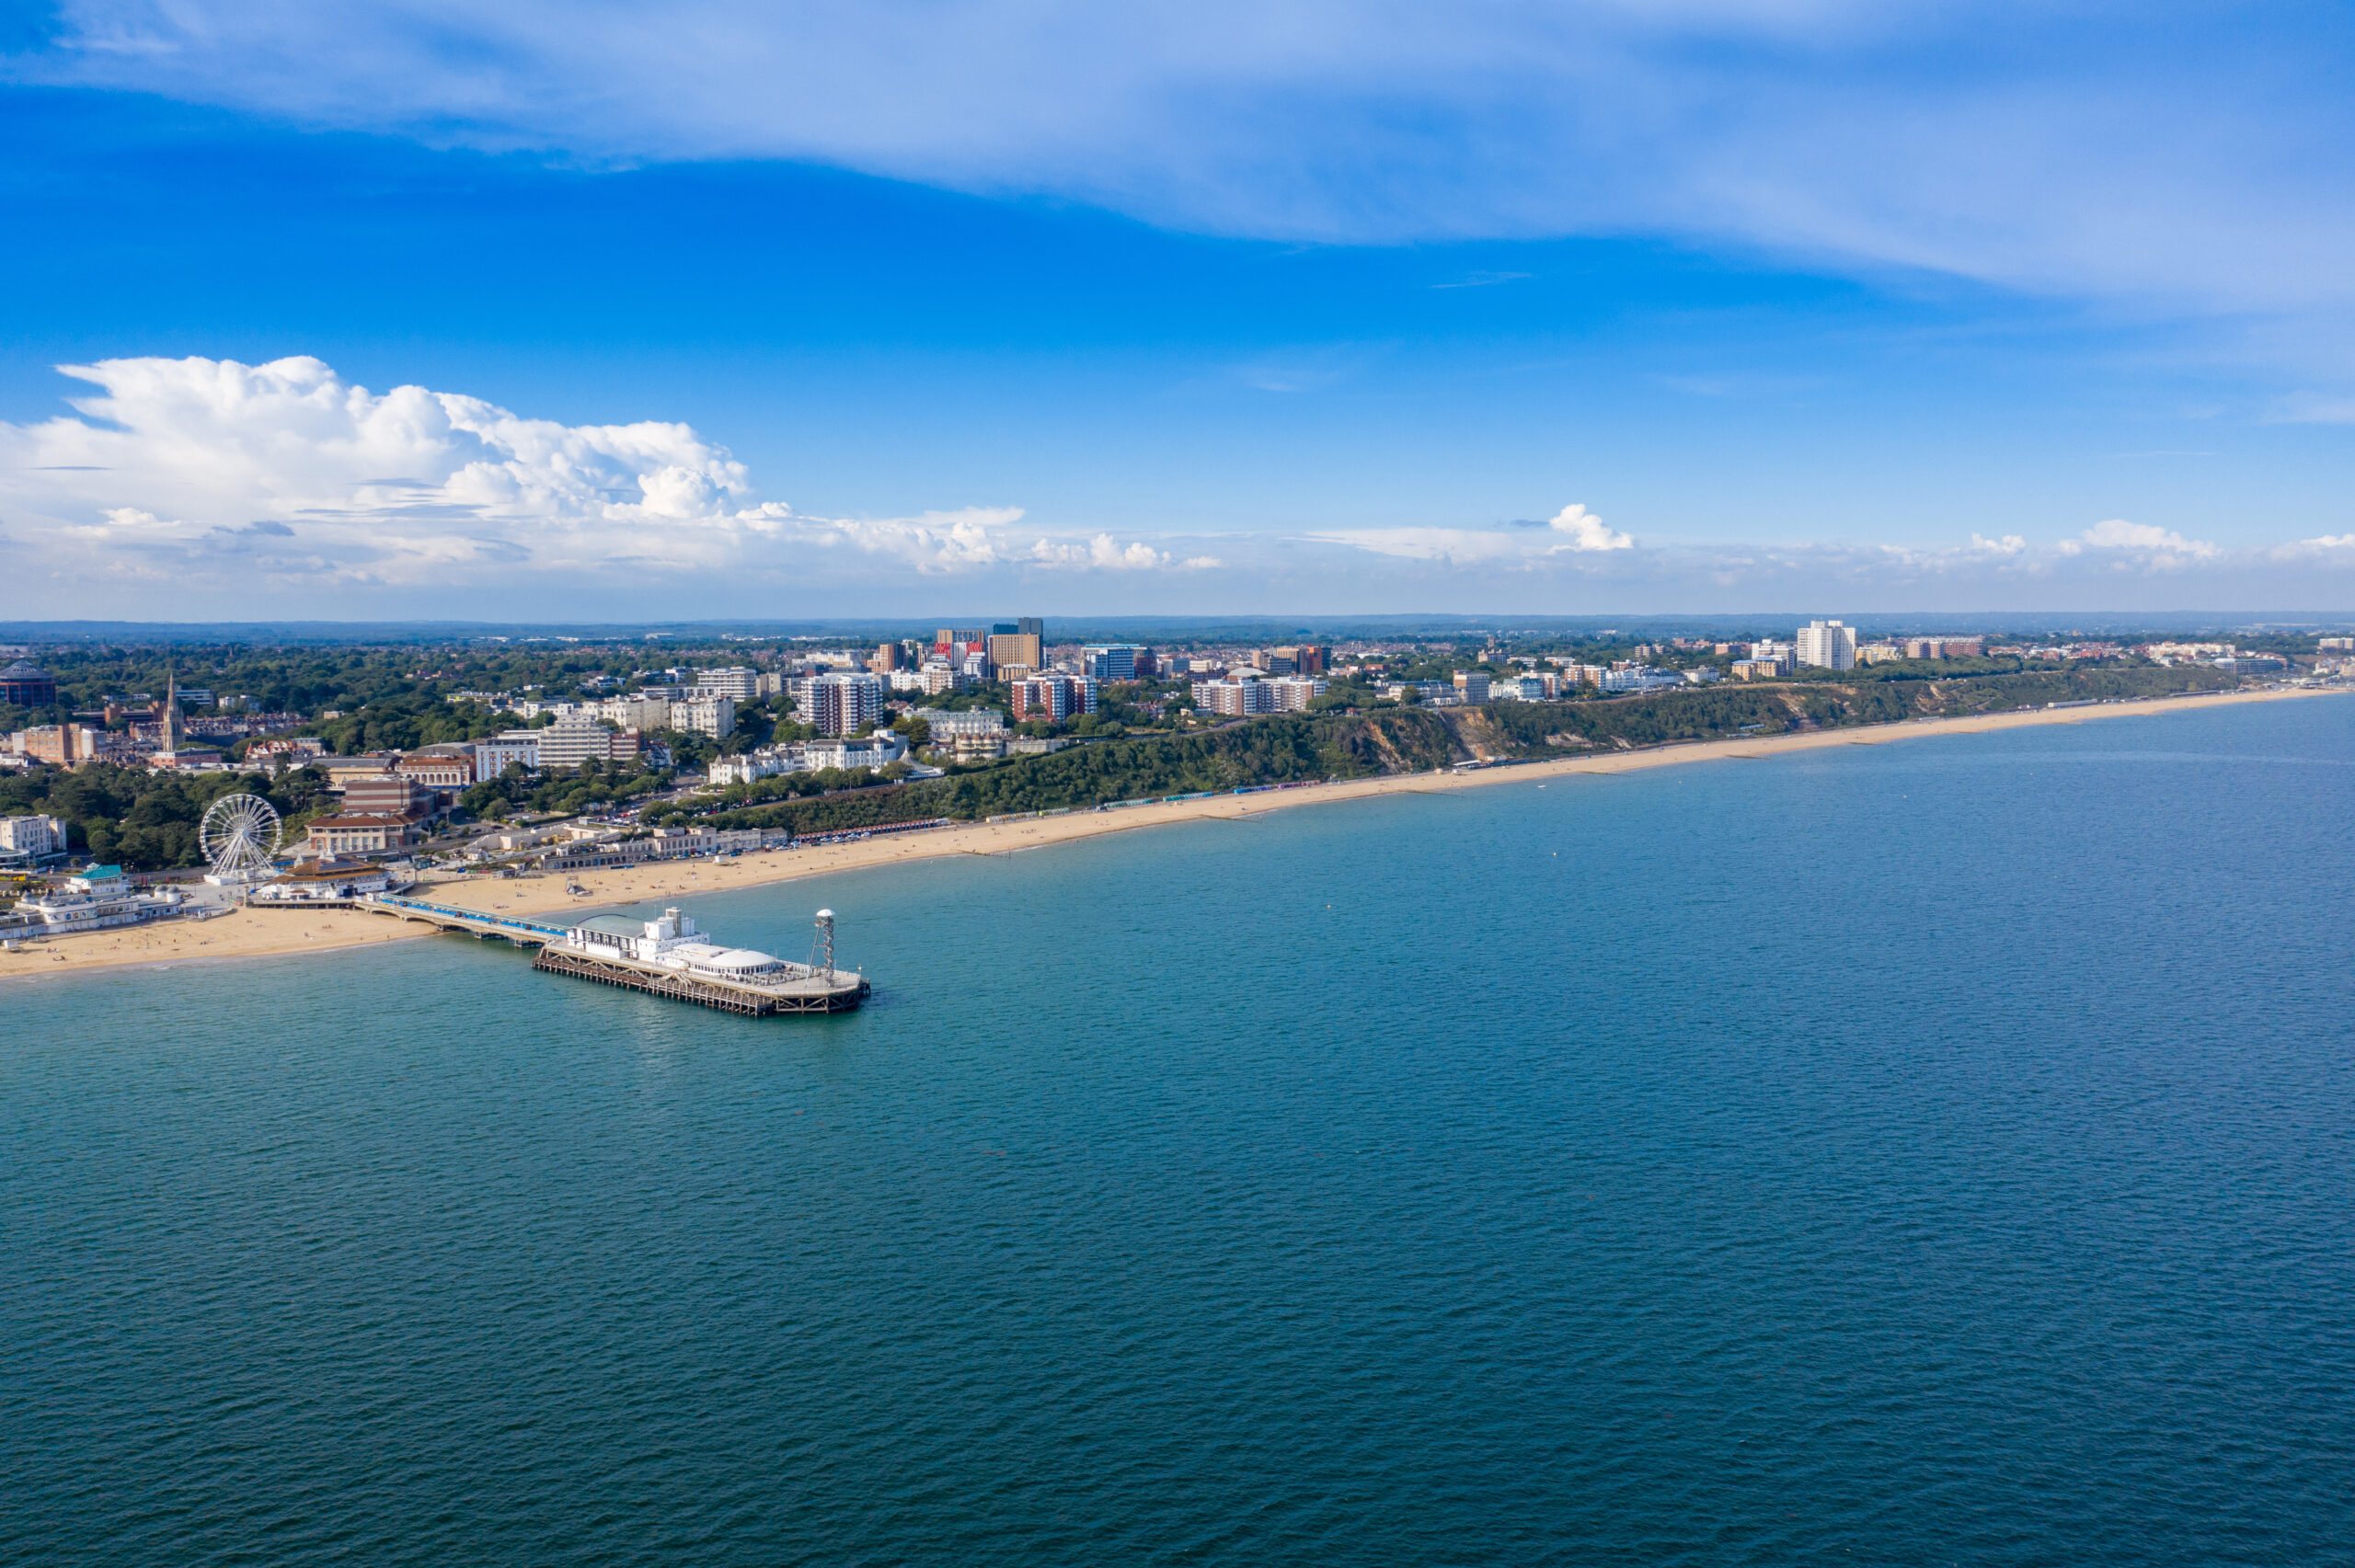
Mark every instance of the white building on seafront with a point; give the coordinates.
(675, 943)
(29, 841)
(878, 751)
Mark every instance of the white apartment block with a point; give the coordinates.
(1293, 692)
(739, 683)
(644, 711)
(1236, 697)
(1825, 645)
(714, 717)
(877, 750)
(495, 756)
(31, 837)
(946, 726)
(570, 742)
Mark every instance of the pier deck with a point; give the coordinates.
(799, 989)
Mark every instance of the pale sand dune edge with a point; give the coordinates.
(260, 933)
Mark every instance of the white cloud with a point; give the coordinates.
(2063, 148)
(1586, 531)
(288, 472)
(2009, 545)
(2325, 546)
(1573, 530)
(2141, 544)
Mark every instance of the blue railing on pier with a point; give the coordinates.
(478, 916)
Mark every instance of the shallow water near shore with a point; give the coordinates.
(1921, 1154)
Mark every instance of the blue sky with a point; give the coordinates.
(816, 310)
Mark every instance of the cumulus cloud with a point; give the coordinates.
(2141, 544)
(1586, 531)
(1938, 136)
(299, 474)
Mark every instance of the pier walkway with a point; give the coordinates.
(447, 917)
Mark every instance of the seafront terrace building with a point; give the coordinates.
(99, 898)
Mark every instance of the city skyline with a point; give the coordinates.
(1719, 310)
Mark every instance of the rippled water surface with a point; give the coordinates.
(1923, 1153)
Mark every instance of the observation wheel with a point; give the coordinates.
(239, 835)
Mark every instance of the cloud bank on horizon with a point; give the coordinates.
(196, 487)
(289, 473)
(2186, 155)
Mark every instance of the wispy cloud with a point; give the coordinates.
(2313, 409)
(2058, 148)
(1485, 280)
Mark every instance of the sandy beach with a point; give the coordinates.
(254, 932)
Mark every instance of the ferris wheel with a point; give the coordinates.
(239, 835)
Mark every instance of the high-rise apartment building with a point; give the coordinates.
(1826, 645)
(838, 705)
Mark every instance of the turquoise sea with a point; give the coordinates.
(1924, 1153)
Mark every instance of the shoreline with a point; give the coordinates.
(254, 934)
